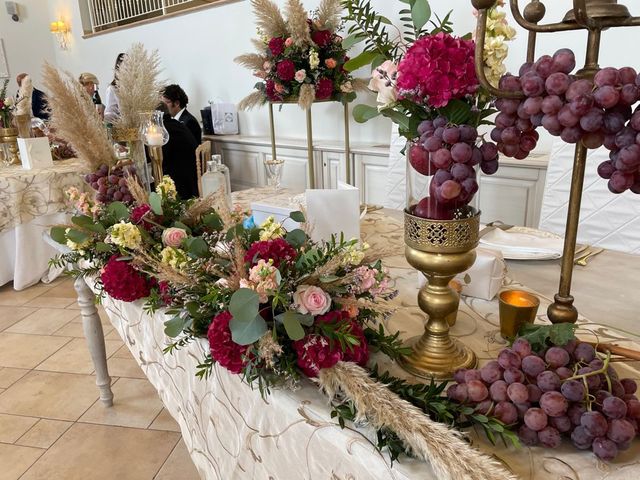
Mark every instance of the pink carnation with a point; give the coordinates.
(276, 45)
(286, 70)
(223, 349)
(436, 69)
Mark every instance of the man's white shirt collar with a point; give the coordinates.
(179, 114)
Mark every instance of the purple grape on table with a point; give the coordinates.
(595, 423)
(498, 391)
(581, 438)
(518, 393)
(527, 436)
(506, 412)
(549, 437)
(491, 372)
(554, 404)
(604, 448)
(535, 419)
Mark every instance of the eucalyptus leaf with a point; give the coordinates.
(197, 247)
(296, 238)
(306, 320)
(246, 332)
(362, 113)
(58, 234)
(360, 61)
(420, 13)
(244, 304)
(118, 211)
(82, 220)
(76, 235)
(352, 40)
(103, 247)
(182, 226)
(213, 221)
(173, 327)
(292, 326)
(155, 202)
(297, 217)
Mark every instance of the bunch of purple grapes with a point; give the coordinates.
(111, 185)
(563, 390)
(594, 112)
(449, 153)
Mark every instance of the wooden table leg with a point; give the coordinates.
(95, 339)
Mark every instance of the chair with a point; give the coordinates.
(606, 220)
(203, 155)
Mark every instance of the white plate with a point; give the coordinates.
(509, 254)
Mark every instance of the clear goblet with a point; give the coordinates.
(274, 173)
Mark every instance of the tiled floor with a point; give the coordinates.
(52, 425)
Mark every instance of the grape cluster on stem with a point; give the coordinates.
(111, 184)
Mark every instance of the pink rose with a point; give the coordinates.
(366, 278)
(300, 75)
(173, 237)
(311, 300)
(288, 42)
(381, 82)
(279, 88)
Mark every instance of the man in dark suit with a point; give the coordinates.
(176, 101)
(38, 100)
(179, 156)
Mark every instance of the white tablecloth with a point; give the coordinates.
(232, 433)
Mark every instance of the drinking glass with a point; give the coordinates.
(274, 173)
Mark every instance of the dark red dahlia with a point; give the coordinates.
(223, 349)
(333, 316)
(286, 70)
(357, 353)
(277, 250)
(322, 38)
(314, 352)
(276, 45)
(123, 282)
(140, 212)
(270, 91)
(324, 88)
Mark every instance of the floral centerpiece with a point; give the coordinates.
(300, 56)
(7, 105)
(275, 308)
(426, 83)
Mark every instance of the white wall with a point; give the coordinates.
(197, 52)
(27, 43)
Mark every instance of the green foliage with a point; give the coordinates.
(175, 326)
(292, 324)
(117, 211)
(77, 235)
(368, 27)
(88, 223)
(155, 202)
(297, 216)
(196, 247)
(58, 235)
(539, 335)
(177, 345)
(213, 221)
(363, 113)
(390, 345)
(203, 370)
(247, 325)
(296, 238)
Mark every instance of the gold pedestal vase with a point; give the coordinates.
(9, 136)
(23, 122)
(440, 249)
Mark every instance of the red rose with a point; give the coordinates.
(276, 45)
(322, 38)
(314, 352)
(223, 349)
(324, 88)
(277, 250)
(286, 70)
(123, 282)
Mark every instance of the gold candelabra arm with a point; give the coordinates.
(534, 7)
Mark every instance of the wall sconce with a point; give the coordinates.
(61, 30)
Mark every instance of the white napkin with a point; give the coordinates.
(516, 244)
(333, 211)
(484, 279)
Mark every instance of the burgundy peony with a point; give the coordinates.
(276, 45)
(436, 69)
(314, 353)
(358, 353)
(123, 282)
(286, 70)
(223, 349)
(138, 213)
(322, 38)
(324, 88)
(277, 250)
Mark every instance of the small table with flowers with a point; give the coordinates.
(232, 432)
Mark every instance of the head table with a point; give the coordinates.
(30, 202)
(233, 433)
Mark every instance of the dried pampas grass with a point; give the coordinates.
(329, 13)
(216, 201)
(23, 106)
(252, 61)
(161, 271)
(75, 120)
(360, 85)
(269, 19)
(449, 455)
(138, 85)
(251, 101)
(297, 19)
(306, 96)
(137, 191)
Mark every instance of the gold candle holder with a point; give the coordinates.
(440, 249)
(23, 123)
(517, 307)
(9, 136)
(156, 163)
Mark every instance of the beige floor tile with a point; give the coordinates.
(178, 465)
(122, 352)
(99, 452)
(65, 289)
(73, 306)
(125, 367)
(11, 315)
(113, 335)
(164, 421)
(74, 357)
(12, 427)
(8, 376)
(59, 396)
(44, 433)
(15, 460)
(50, 302)
(43, 321)
(26, 351)
(135, 404)
(11, 297)
(74, 329)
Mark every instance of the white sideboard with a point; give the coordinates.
(513, 194)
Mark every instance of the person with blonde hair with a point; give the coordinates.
(90, 83)
(38, 100)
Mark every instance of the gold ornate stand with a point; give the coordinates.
(156, 163)
(593, 16)
(9, 136)
(310, 157)
(440, 249)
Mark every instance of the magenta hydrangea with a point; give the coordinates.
(436, 69)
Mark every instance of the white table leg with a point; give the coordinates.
(95, 339)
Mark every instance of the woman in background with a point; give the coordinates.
(90, 83)
(112, 108)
